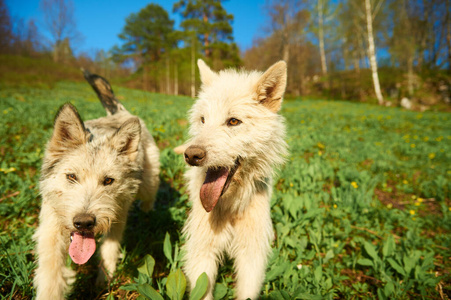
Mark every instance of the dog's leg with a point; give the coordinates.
(52, 277)
(251, 247)
(111, 247)
(151, 178)
(203, 248)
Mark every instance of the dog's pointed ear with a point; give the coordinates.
(271, 86)
(69, 131)
(206, 74)
(127, 137)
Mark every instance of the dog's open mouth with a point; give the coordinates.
(82, 246)
(216, 183)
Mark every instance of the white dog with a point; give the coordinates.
(91, 173)
(237, 139)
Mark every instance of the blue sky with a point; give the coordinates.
(100, 21)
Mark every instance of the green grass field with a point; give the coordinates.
(361, 209)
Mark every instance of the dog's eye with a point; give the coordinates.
(71, 177)
(202, 119)
(233, 122)
(108, 181)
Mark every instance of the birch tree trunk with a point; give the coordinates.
(321, 37)
(372, 52)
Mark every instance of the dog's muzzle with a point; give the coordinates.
(195, 156)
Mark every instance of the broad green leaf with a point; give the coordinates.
(176, 285)
(201, 287)
(329, 255)
(409, 264)
(371, 250)
(396, 266)
(149, 292)
(147, 267)
(380, 294)
(365, 262)
(389, 289)
(389, 246)
(220, 291)
(318, 273)
(279, 295)
(167, 247)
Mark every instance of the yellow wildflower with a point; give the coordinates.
(431, 155)
(354, 184)
(417, 203)
(420, 200)
(412, 145)
(439, 138)
(412, 212)
(405, 181)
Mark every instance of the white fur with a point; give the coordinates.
(128, 155)
(240, 223)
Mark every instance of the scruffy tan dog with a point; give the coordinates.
(91, 173)
(237, 139)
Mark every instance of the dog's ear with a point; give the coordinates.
(69, 131)
(271, 86)
(127, 137)
(206, 74)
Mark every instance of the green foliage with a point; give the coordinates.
(360, 210)
(147, 34)
(212, 25)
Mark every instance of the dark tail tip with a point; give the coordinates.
(104, 91)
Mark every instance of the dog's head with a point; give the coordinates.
(236, 133)
(89, 182)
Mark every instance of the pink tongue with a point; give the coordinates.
(212, 188)
(82, 247)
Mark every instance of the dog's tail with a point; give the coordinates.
(104, 91)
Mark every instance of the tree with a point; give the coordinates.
(212, 25)
(148, 36)
(321, 36)
(372, 51)
(288, 21)
(5, 28)
(60, 23)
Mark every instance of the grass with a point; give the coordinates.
(360, 210)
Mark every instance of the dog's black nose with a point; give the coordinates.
(84, 222)
(195, 155)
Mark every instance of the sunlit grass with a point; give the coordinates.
(361, 209)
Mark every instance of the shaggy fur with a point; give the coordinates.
(90, 176)
(235, 133)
